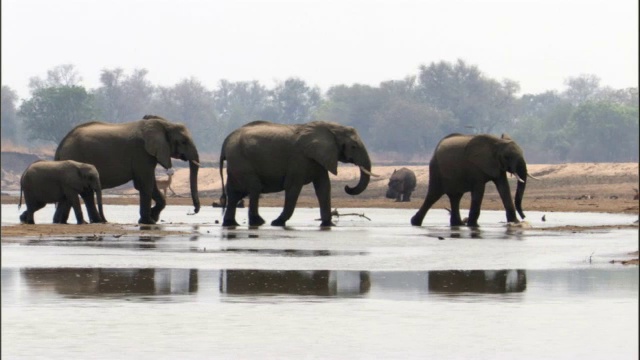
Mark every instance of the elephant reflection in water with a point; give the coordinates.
(291, 282)
(109, 282)
(478, 281)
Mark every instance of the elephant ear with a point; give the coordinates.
(156, 142)
(481, 151)
(319, 143)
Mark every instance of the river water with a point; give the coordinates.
(371, 287)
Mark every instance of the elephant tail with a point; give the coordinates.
(21, 181)
(223, 199)
(20, 202)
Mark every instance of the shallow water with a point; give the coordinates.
(376, 288)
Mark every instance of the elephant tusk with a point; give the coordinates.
(533, 177)
(518, 177)
(368, 172)
(195, 162)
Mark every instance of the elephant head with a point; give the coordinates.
(90, 183)
(394, 187)
(165, 140)
(495, 156)
(327, 143)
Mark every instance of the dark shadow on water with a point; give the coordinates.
(477, 281)
(149, 284)
(289, 282)
(463, 232)
(109, 283)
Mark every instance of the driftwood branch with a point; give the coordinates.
(337, 214)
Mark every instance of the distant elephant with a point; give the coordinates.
(401, 184)
(46, 182)
(265, 157)
(130, 151)
(463, 163)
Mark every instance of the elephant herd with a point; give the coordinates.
(262, 157)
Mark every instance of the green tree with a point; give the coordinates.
(475, 100)
(190, 103)
(409, 128)
(355, 106)
(604, 132)
(58, 76)
(8, 116)
(293, 101)
(539, 127)
(123, 98)
(581, 89)
(237, 103)
(53, 111)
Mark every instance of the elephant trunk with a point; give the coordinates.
(391, 194)
(99, 202)
(522, 184)
(194, 166)
(365, 175)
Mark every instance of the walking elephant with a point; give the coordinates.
(263, 157)
(463, 163)
(46, 182)
(401, 184)
(130, 151)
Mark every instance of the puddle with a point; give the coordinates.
(363, 289)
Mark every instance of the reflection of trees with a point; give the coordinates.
(83, 282)
(478, 281)
(273, 282)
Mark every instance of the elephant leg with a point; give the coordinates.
(31, 209)
(145, 192)
(454, 200)
(230, 210)
(476, 202)
(322, 187)
(24, 216)
(160, 201)
(406, 197)
(254, 217)
(290, 199)
(505, 194)
(62, 213)
(399, 197)
(74, 202)
(90, 205)
(433, 195)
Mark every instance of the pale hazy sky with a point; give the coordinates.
(538, 43)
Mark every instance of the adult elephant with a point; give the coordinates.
(401, 184)
(130, 151)
(47, 182)
(264, 157)
(463, 163)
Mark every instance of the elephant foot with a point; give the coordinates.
(82, 222)
(256, 220)
(229, 222)
(415, 221)
(146, 221)
(23, 218)
(472, 225)
(327, 223)
(278, 222)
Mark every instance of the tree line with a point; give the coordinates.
(399, 120)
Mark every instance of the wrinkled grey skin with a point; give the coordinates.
(46, 182)
(130, 151)
(401, 184)
(463, 163)
(264, 157)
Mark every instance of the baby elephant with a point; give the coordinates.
(45, 182)
(401, 184)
